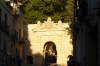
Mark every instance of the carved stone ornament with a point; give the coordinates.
(59, 23)
(38, 23)
(49, 23)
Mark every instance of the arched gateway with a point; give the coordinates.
(50, 53)
(47, 43)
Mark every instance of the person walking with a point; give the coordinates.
(9, 60)
(18, 61)
(3, 60)
(13, 61)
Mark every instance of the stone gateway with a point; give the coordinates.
(46, 43)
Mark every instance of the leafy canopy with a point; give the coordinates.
(41, 9)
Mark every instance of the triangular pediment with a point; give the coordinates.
(49, 25)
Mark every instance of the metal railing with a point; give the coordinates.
(15, 34)
(21, 40)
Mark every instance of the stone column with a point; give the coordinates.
(59, 50)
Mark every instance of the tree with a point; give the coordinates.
(41, 9)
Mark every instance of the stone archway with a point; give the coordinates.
(29, 60)
(50, 52)
(41, 35)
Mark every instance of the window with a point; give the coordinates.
(20, 34)
(13, 23)
(0, 13)
(5, 45)
(0, 40)
(11, 45)
(16, 51)
(0, 16)
(5, 20)
(29, 60)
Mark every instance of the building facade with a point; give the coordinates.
(11, 28)
(86, 33)
(47, 43)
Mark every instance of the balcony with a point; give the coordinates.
(2, 26)
(16, 15)
(6, 30)
(77, 25)
(98, 12)
(21, 40)
(7, 0)
(14, 34)
(8, 3)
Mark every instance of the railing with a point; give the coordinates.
(21, 40)
(16, 13)
(15, 34)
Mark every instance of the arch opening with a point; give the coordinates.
(29, 60)
(50, 53)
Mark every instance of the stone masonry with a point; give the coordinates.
(36, 35)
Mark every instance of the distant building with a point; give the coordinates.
(87, 33)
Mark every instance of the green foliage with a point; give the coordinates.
(41, 9)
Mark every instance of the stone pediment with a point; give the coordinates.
(49, 25)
